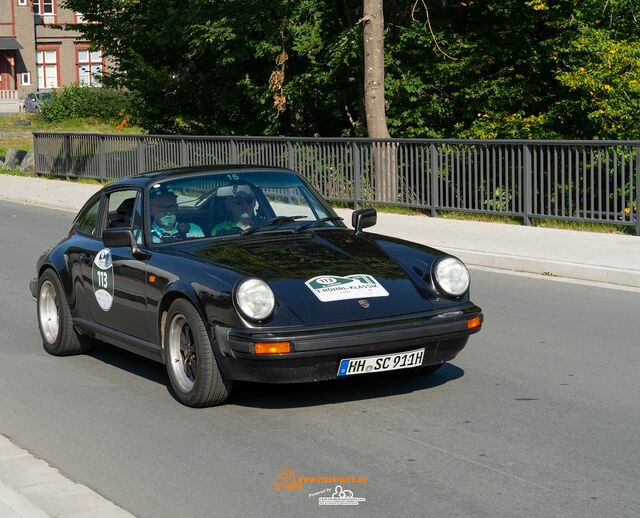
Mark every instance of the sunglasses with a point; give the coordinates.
(167, 208)
(244, 200)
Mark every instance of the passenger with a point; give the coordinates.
(165, 226)
(240, 205)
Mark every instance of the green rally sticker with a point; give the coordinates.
(329, 288)
(102, 279)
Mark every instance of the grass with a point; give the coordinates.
(17, 172)
(25, 143)
(27, 122)
(583, 226)
(15, 130)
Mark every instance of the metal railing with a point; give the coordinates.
(567, 180)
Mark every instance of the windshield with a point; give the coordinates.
(234, 203)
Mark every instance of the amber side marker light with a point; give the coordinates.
(272, 347)
(474, 322)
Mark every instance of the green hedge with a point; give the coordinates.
(72, 102)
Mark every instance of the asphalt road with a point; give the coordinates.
(538, 416)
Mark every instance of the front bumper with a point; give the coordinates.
(316, 352)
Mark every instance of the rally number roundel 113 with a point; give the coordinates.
(102, 279)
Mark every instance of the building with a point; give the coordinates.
(37, 55)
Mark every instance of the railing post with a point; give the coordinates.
(184, 153)
(434, 182)
(36, 154)
(291, 157)
(140, 155)
(637, 191)
(355, 152)
(66, 146)
(527, 185)
(102, 158)
(233, 151)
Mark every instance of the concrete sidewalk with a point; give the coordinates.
(30, 488)
(605, 258)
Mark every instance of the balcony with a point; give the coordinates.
(9, 101)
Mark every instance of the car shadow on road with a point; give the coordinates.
(340, 391)
(130, 362)
(261, 395)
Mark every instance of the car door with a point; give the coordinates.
(83, 239)
(116, 280)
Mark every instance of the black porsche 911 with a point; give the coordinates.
(245, 273)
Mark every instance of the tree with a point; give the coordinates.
(468, 68)
(374, 100)
(384, 154)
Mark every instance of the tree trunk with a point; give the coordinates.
(374, 69)
(384, 154)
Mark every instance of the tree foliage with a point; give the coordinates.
(454, 68)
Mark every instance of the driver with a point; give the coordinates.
(165, 226)
(240, 203)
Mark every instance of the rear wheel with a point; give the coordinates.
(59, 337)
(191, 364)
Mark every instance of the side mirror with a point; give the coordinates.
(115, 237)
(363, 218)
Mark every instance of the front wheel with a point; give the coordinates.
(191, 364)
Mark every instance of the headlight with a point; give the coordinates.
(255, 299)
(452, 276)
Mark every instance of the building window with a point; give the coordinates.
(22, 3)
(90, 66)
(45, 11)
(25, 78)
(47, 68)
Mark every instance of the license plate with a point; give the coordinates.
(388, 362)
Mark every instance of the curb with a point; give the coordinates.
(569, 270)
(38, 203)
(31, 488)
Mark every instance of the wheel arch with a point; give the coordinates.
(169, 297)
(64, 280)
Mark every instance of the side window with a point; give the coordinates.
(289, 201)
(121, 209)
(88, 219)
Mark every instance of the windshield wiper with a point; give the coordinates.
(317, 222)
(278, 220)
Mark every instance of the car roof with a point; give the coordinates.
(142, 180)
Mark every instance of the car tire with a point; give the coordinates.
(55, 322)
(190, 360)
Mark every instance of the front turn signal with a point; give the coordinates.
(272, 347)
(473, 322)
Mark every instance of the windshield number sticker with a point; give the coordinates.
(233, 176)
(102, 279)
(330, 288)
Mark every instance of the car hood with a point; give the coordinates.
(330, 275)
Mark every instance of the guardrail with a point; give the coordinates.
(566, 180)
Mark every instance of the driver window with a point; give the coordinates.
(122, 208)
